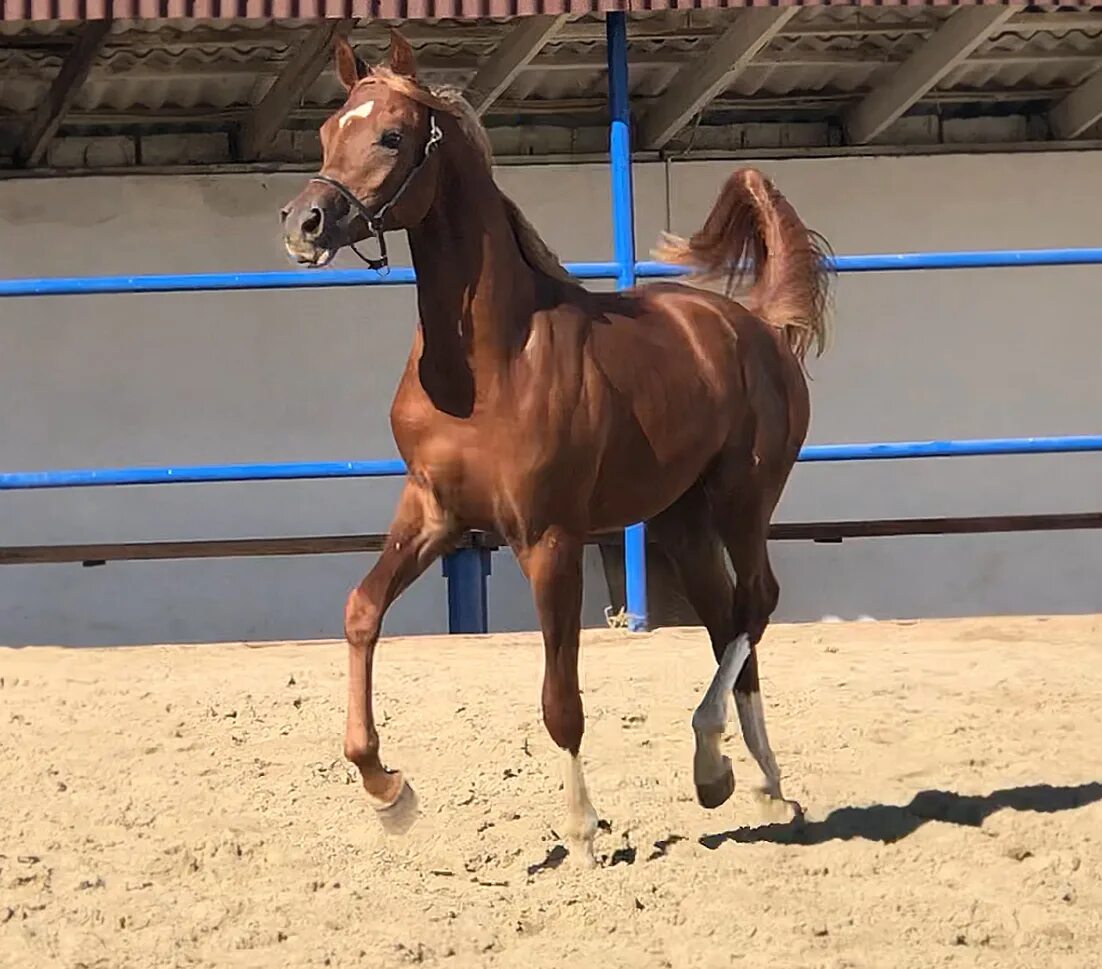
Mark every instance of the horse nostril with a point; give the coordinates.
(283, 213)
(311, 225)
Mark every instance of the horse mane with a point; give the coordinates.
(451, 101)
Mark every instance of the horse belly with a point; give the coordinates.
(645, 470)
(663, 425)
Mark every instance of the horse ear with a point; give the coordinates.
(400, 59)
(349, 67)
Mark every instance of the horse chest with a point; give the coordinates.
(485, 473)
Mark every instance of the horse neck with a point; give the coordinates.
(475, 291)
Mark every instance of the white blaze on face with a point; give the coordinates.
(360, 111)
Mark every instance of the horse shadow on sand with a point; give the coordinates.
(888, 823)
(883, 823)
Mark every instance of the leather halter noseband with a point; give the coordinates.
(374, 220)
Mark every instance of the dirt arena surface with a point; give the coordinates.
(188, 806)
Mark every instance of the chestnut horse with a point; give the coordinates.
(534, 408)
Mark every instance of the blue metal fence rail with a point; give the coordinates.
(404, 275)
(316, 470)
(466, 570)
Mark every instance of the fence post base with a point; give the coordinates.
(466, 571)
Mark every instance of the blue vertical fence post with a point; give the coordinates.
(466, 571)
(623, 254)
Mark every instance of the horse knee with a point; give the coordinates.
(361, 619)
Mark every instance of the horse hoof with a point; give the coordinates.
(778, 810)
(711, 794)
(581, 856)
(399, 815)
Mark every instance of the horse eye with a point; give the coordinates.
(391, 140)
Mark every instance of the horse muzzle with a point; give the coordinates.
(307, 232)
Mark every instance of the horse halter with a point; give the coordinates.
(375, 219)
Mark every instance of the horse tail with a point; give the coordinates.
(754, 237)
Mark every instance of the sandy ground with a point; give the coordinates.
(187, 806)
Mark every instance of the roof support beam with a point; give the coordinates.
(303, 68)
(523, 42)
(950, 45)
(698, 83)
(1079, 110)
(50, 112)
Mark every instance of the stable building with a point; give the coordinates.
(164, 138)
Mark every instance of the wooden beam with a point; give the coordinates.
(823, 102)
(98, 554)
(949, 46)
(698, 83)
(50, 112)
(523, 42)
(829, 532)
(1076, 113)
(834, 532)
(303, 68)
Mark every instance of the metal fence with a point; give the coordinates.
(468, 567)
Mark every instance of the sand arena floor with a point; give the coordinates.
(188, 806)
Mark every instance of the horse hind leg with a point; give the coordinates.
(756, 596)
(693, 533)
(751, 717)
(688, 538)
(713, 774)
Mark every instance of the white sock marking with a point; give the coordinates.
(581, 818)
(752, 718)
(578, 806)
(711, 716)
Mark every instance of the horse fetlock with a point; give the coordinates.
(581, 825)
(362, 752)
(710, 720)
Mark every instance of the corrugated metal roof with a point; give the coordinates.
(157, 78)
(207, 64)
(395, 9)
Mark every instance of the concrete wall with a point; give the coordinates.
(177, 379)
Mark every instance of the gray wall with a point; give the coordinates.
(178, 379)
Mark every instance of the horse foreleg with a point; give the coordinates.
(419, 534)
(686, 533)
(554, 569)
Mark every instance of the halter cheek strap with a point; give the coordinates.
(375, 220)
